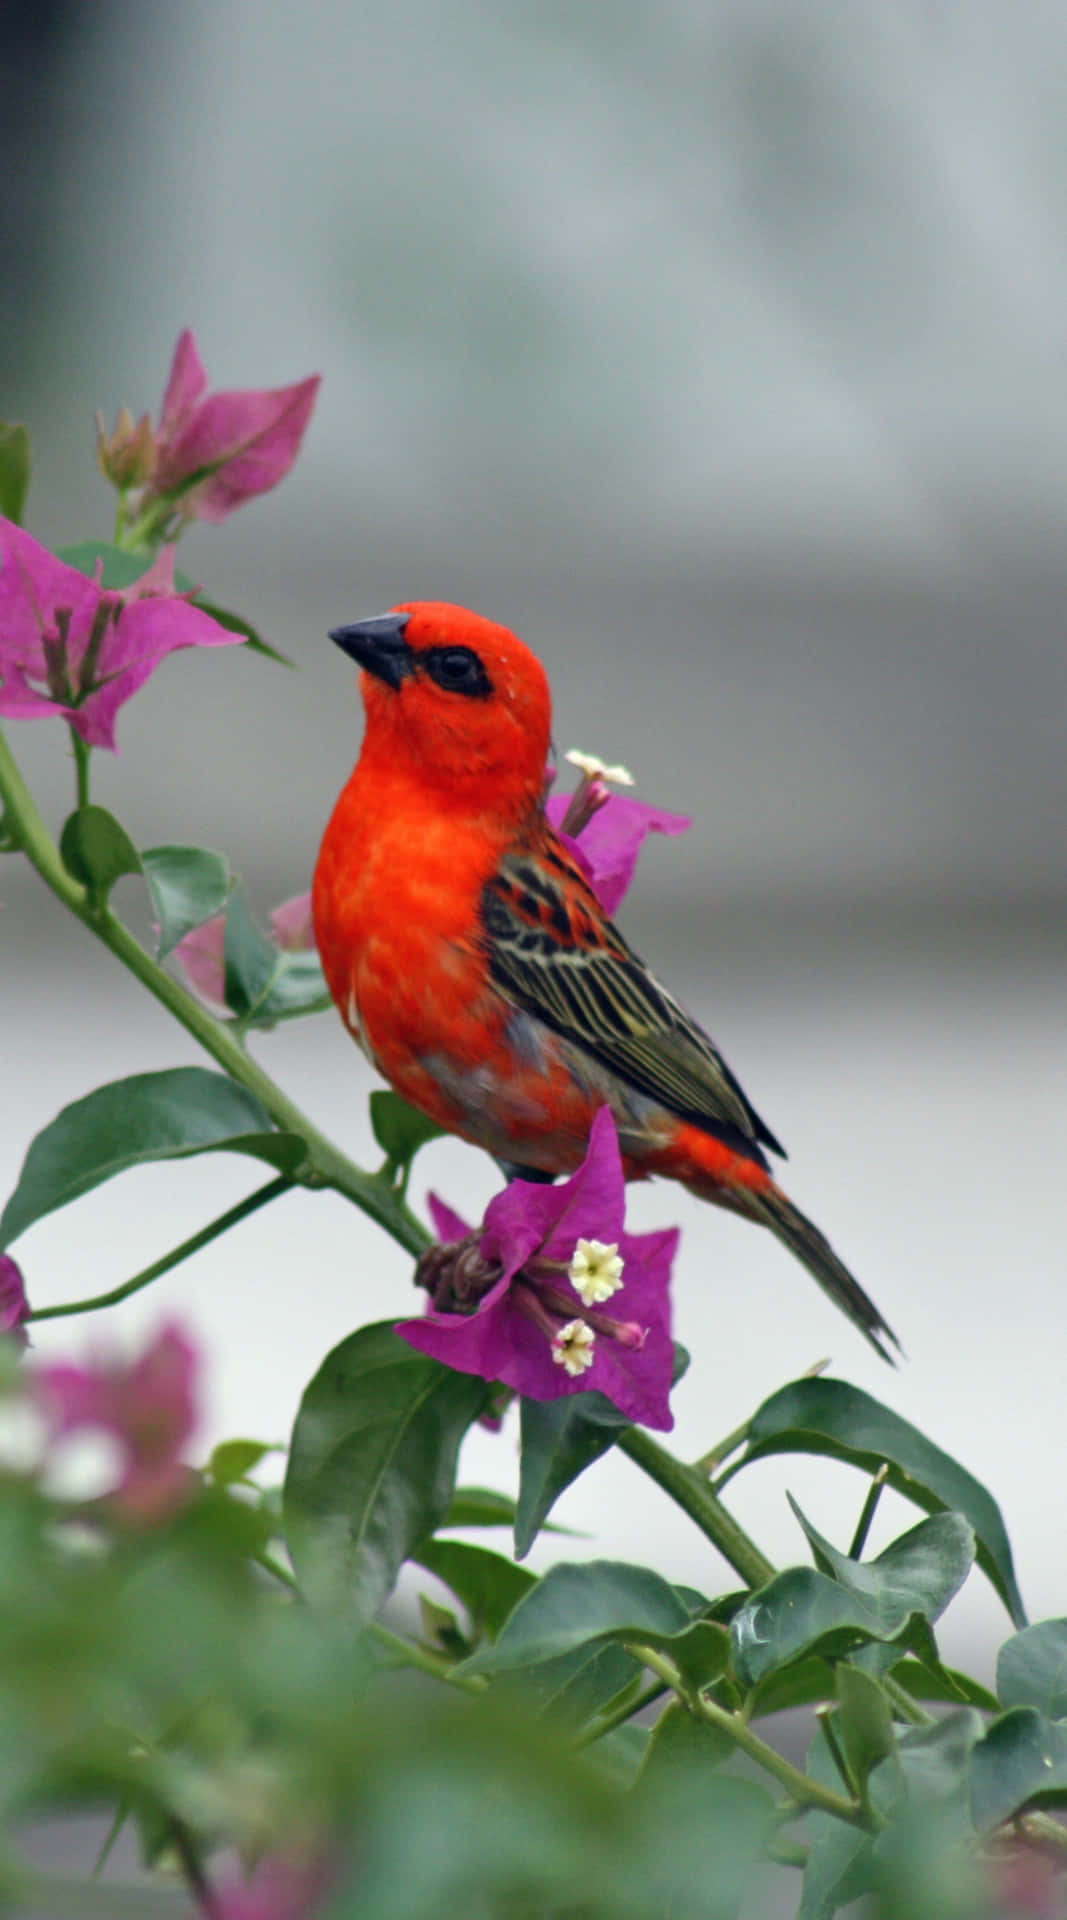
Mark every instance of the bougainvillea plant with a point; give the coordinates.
(215, 1661)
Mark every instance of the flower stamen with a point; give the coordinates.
(595, 1271)
(572, 1347)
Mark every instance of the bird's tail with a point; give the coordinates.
(814, 1251)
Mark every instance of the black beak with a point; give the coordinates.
(379, 646)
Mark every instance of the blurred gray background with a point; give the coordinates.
(719, 347)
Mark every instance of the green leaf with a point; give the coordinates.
(188, 885)
(372, 1464)
(265, 983)
(938, 1682)
(151, 1116)
(829, 1417)
(488, 1585)
(400, 1130)
(918, 1573)
(235, 623)
(864, 1720)
(577, 1687)
(559, 1439)
(233, 1460)
(1032, 1669)
(683, 1747)
(930, 1770)
(574, 1606)
(797, 1613)
(799, 1685)
(1022, 1758)
(96, 849)
(14, 471)
(479, 1507)
(120, 569)
(840, 1864)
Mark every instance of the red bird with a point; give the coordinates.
(474, 964)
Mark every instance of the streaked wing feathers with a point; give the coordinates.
(554, 952)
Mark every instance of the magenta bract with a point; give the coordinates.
(148, 1405)
(531, 1320)
(70, 647)
(215, 451)
(611, 841)
(14, 1306)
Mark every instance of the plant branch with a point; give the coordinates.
(800, 1786)
(250, 1204)
(325, 1165)
(692, 1493)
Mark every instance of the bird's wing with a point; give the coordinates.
(554, 952)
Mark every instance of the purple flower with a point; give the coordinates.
(215, 451)
(605, 831)
(522, 1300)
(148, 1405)
(69, 647)
(14, 1306)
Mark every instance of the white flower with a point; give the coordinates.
(572, 1347)
(595, 769)
(595, 1271)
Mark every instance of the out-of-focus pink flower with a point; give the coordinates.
(292, 926)
(202, 957)
(202, 953)
(149, 1407)
(215, 451)
(70, 647)
(522, 1300)
(14, 1306)
(279, 1889)
(605, 831)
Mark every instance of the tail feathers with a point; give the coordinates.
(814, 1251)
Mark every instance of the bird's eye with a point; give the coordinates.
(458, 670)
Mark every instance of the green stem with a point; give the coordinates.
(696, 1498)
(81, 767)
(710, 1462)
(325, 1165)
(404, 1653)
(222, 1224)
(800, 1786)
(619, 1714)
(868, 1511)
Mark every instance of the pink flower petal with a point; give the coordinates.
(248, 439)
(148, 1405)
(202, 957)
(292, 926)
(609, 846)
(14, 1306)
(185, 384)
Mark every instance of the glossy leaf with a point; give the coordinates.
(574, 1606)
(128, 1123)
(797, 1613)
(559, 1440)
(188, 885)
(14, 471)
(830, 1417)
(119, 568)
(372, 1465)
(1032, 1669)
(682, 1746)
(265, 983)
(864, 1720)
(929, 1771)
(96, 849)
(235, 623)
(940, 1683)
(1022, 1758)
(918, 1573)
(489, 1586)
(840, 1864)
(400, 1129)
(233, 1460)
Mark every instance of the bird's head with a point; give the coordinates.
(452, 697)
